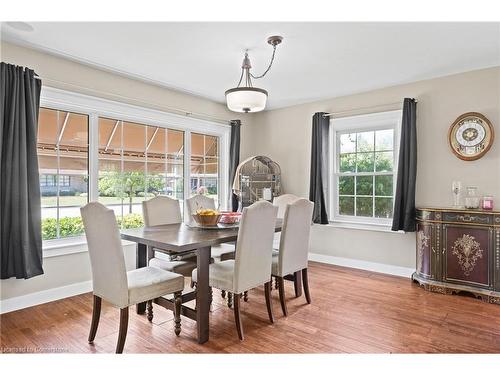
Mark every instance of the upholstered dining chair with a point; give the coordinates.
(281, 201)
(220, 252)
(294, 247)
(110, 279)
(252, 264)
(163, 210)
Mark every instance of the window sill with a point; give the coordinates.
(362, 226)
(67, 246)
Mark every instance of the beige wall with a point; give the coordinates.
(65, 74)
(285, 136)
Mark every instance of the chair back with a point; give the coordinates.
(109, 274)
(281, 201)
(295, 233)
(254, 246)
(161, 210)
(198, 202)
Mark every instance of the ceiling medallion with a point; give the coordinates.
(248, 98)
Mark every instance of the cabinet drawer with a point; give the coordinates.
(468, 218)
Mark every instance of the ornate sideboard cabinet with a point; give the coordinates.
(459, 251)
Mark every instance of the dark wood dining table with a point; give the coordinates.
(176, 239)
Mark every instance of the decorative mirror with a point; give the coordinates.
(471, 136)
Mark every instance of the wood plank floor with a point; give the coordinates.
(352, 311)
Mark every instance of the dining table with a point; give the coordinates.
(178, 239)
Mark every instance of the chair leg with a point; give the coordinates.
(150, 310)
(230, 299)
(245, 296)
(96, 314)
(223, 294)
(297, 283)
(281, 287)
(237, 317)
(122, 335)
(177, 312)
(267, 289)
(276, 282)
(305, 281)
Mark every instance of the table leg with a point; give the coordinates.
(202, 293)
(141, 261)
(297, 283)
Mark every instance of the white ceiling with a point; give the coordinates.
(315, 61)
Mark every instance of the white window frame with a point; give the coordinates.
(95, 107)
(367, 122)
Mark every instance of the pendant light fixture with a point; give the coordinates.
(248, 98)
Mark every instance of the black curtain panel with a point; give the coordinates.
(234, 161)
(20, 213)
(404, 201)
(319, 167)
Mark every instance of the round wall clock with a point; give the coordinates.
(471, 136)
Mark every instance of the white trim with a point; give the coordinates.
(44, 296)
(363, 265)
(362, 226)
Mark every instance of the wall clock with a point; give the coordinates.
(471, 136)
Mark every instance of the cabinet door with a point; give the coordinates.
(467, 255)
(424, 250)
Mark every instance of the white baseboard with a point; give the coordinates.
(44, 296)
(361, 264)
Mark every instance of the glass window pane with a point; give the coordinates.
(346, 185)
(383, 185)
(63, 164)
(347, 143)
(365, 141)
(383, 207)
(364, 185)
(364, 206)
(346, 205)
(384, 161)
(364, 162)
(347, 163)
(204, 166)
(384, 140)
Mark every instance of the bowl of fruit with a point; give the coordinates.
(207, 217)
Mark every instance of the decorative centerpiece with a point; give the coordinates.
(207, 217)
(230, 217)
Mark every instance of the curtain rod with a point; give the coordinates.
(363, 108)
(180, 111)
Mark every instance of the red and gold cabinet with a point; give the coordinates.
(459, 251)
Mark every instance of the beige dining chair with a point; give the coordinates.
(219, 252)
(281, 201)
(110, 279)
(294, 247)
(163, 210)
(252, 264)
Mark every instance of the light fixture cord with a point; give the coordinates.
(268, 68)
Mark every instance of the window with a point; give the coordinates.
(63, 164)
(363, 167)
(91, 149)
(204, 175)
(137, 162)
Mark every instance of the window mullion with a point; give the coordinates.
(93, 157)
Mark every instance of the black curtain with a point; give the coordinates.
(234, 160)
(20, 212)
(319, 167)
(404, 202)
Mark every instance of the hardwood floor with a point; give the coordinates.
(352, 311)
